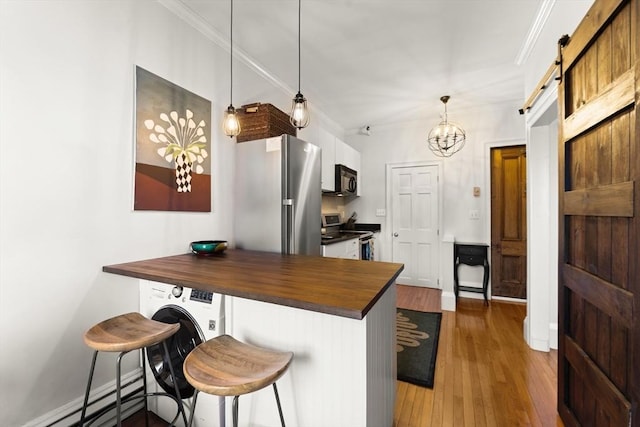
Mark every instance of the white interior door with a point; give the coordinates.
(414, 220)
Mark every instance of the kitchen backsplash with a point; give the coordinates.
(333, 204)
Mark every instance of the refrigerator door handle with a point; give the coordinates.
(289, 238)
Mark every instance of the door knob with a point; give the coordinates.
(395, 234)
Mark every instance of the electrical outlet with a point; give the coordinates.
(474, 214)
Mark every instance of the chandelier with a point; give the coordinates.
(447, 138)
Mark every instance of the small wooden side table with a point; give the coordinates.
(471, 254)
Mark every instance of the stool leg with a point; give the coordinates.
(275, 391)
(86, 394)
(143, 354)
(119, 389)
(175, 383)
(193, 408)
(235, 411)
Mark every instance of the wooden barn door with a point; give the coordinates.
(599, 273)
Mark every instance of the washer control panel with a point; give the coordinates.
(201, 296)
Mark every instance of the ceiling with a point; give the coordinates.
(379, 62)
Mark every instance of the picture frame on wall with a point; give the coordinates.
(172, 146)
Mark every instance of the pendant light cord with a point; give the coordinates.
(299, 62)
(231, 58)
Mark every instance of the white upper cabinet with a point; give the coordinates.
(350, 157)
(335, 152)
(327, 142)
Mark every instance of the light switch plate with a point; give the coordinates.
(381, 212)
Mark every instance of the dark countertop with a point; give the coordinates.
(341, 287)
(363, 226)
(338, 238)
(344, 235)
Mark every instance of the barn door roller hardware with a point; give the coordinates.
(544, 82)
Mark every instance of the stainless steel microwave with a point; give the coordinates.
(346, 181)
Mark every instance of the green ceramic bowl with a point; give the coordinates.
(208, 247)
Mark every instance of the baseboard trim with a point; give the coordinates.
(553, 336)
(448, 301)
(539, 345)
(508, 299)
(69, 414)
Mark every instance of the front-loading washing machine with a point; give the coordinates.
(201, 317)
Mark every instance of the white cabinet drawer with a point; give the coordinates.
(346, 249)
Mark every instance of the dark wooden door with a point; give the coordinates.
(599, 274)
(509, 222)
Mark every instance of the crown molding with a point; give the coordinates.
(187, 14)
(546, 6)
(184, 12)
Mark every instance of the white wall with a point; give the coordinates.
(563, 19)
(408, 143)
(66, 177)
(540, 326)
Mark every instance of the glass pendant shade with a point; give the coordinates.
(230, 124)
(299, 116)
(446, 138)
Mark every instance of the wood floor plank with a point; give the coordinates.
(486, 375)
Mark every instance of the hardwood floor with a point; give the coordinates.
(138, 420)
(486, 375)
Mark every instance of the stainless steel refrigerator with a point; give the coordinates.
(278, 196)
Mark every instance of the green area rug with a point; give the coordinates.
(417, 345)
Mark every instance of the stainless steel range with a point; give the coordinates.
(333, 231)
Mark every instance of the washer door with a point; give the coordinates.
(180, 344)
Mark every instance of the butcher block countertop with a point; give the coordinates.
(342, 287)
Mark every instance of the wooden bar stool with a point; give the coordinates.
(124, 333)
(224, 366)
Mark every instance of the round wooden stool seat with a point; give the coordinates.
(128, 332)
(224, 366)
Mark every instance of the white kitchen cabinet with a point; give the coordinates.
(352, 249)
(335, 152)
(347, 155)
(327, 142)
(349, 249)
(350, 157)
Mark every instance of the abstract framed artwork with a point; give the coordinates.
(173, 142)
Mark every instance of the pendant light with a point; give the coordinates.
(230, 124)
(446, 138)
(299, 116)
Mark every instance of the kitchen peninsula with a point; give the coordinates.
(336, 315)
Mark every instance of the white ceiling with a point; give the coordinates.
(377, 62)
